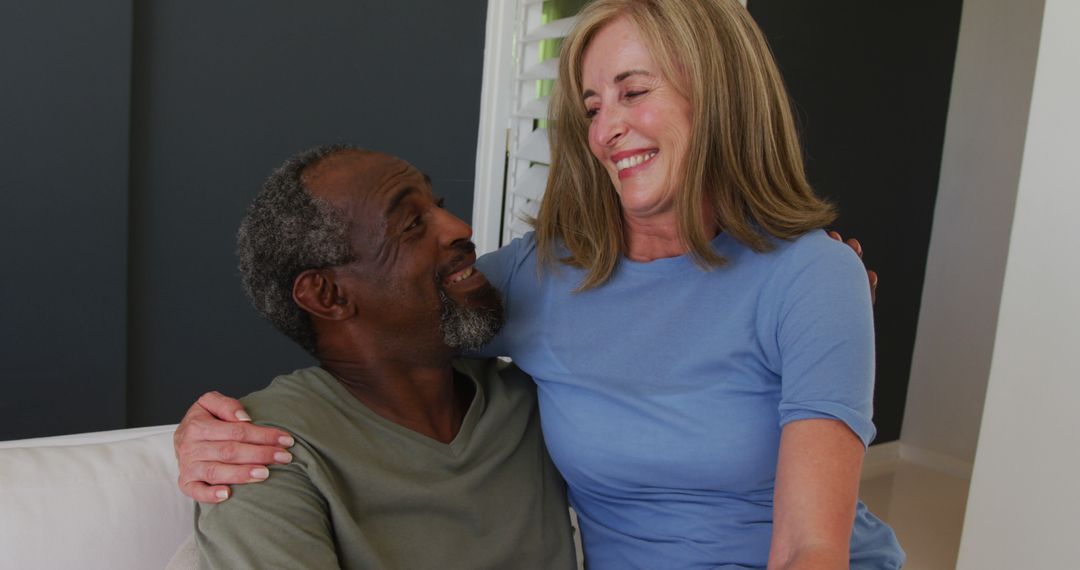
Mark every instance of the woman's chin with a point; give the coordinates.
(646, 207)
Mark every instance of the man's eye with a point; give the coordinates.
(415, 223)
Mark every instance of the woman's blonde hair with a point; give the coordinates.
(744, 158)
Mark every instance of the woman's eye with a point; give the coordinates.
(590, 113)
(633, 94)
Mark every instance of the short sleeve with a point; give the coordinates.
(500, 265)
(280, 523)
(503, 269)
(825, 335)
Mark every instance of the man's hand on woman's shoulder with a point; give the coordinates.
(870, 273)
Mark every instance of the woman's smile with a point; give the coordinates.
(631, 162)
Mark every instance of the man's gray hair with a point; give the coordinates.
(287, 231)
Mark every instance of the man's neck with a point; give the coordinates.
(424, 398)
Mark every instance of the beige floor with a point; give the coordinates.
(925, 508)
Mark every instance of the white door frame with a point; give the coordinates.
(495, 97)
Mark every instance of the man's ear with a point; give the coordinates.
(316, 292)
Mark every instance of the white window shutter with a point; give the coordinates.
(529, 154)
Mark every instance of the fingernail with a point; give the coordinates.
(286, 441)
(242, 416)
(283, 457)
(260, 473)
(222, 494)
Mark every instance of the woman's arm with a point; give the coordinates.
(826, 345)
(817, 484)
(217, 445)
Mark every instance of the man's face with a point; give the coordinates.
(414, 272)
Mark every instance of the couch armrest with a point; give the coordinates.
(102, 500)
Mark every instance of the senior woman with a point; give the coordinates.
(703, 351)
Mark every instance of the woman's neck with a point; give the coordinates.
(657, 237)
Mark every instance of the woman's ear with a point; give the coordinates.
(317, 292)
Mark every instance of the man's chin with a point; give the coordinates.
(471, 323)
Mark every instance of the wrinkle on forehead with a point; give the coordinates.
(357, 183)
(343, 178)
(391, 177)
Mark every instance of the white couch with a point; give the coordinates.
(97, 500)
(103, 500)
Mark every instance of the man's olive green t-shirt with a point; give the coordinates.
(364, 492)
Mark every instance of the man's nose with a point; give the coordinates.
(452, 228)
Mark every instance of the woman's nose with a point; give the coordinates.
(608, 126)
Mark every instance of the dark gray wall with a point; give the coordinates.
(132, 142)
(120, 300)
(871, 83)
(65, 69)
(220, 101)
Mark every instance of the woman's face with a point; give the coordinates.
(640, 124)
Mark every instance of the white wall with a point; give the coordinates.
(1024, 498)
(984, 141)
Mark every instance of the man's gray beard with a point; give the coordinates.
(469, 328)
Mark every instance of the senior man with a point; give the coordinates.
(404, 456)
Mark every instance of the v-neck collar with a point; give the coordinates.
(455, 447)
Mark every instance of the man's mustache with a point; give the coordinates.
(464, 249)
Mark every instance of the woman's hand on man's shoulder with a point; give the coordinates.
(216, 446)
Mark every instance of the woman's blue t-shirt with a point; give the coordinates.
(664, 391)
